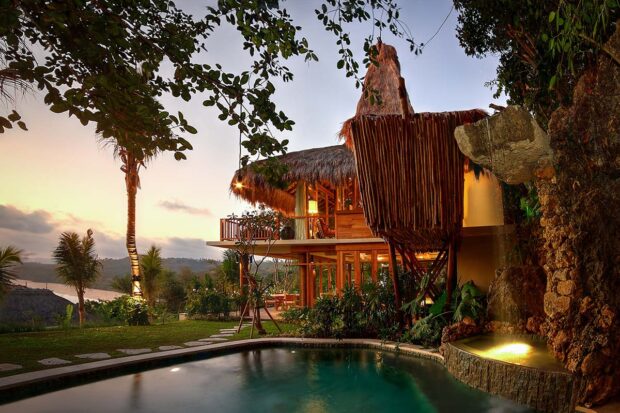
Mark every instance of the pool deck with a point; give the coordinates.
(25, 380)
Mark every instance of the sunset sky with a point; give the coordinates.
(57, 177)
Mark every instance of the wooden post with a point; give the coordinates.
(301, 208)
(396, 282)
(451, 281)
(357, 270)
(303, 274)
(374, 266)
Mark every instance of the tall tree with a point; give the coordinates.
(9, 258)
(103, 65)
(77, 264)
(151, 266)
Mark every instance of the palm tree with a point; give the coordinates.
(9, 258)
(151, 267)
(132, 161)
(78, 264)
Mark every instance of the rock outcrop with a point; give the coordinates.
(509, 143)
(581, 226)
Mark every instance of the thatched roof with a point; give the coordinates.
(385, 82)
(411, 176)
(333, 164)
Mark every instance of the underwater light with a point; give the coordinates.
(175, 369)
(509, 349)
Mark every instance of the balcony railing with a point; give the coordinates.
(315, 227)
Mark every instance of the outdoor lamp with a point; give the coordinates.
(313, 207)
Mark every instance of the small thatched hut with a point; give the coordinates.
(409, 167)
(333, 164)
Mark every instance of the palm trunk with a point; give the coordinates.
(131, 182)
(81, 311)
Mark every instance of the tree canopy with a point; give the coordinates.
(543, 46)
(109, 62)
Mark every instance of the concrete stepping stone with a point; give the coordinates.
(221, 335)
(228, 330)
(9, 366)
(166, 348)
(134, 351)
(94, 356)
(195, 343)
(214, 339)
(54, 361)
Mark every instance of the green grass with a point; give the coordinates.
(27, 348)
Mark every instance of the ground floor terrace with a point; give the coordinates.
(326, 266)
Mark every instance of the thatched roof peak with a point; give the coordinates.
(333, 164)
(382, 81)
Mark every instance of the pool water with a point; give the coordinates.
(277, 380)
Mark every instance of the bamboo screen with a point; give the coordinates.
(410, 172)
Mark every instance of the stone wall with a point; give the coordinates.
(580, 203)
(545, 391)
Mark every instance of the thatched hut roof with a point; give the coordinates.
(385, 82)
(409, 166)
(411, 176)
(333, 164)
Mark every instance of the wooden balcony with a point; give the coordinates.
(342, 225)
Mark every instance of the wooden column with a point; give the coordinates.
(303, 276)
(357, 270)
(301, 208)
(374, 266)
(395, 282)
(451, 281)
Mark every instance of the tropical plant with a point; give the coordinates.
(170, 291)
(470, 303)
(208, 303)
(77, 264)
(122, 284)
(151, 266)
(9, 258)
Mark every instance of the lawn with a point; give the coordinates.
(27, 348)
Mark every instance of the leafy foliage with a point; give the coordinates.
(209, 303)
(151, 267)
(543, 47)
(365, 312)
(9, 258)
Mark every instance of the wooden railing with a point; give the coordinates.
(231, 229)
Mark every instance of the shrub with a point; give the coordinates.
(208, 302)
(121, 310)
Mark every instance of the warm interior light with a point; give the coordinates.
(514, 349)
(313, 207)
(238, 185)
(428, 301)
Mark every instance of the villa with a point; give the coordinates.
(326, 231)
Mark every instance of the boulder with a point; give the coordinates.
(510, 144)
(516, 294)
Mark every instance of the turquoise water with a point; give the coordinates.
(277, 380)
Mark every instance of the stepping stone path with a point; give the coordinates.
(166, 348)
(9, 367)
(134, 351)
(195, 343)
(222, 335)
(214, 339)
(94, 356)
(54, 361)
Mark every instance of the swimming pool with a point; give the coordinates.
(277, 380)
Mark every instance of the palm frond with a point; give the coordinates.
(10, 256)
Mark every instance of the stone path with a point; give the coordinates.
(9, 367)
(166, 348)
(93, 356)
(223, 335)
(134, 351)
(54, 361)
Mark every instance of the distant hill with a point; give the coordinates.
(35, 271)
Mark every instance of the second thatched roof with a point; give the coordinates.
(332, 164)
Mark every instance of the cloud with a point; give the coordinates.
(37, 222)
(181, 207)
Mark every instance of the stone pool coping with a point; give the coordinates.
(32, 379)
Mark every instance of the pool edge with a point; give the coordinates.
(34, 378)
